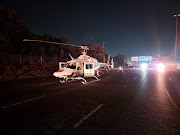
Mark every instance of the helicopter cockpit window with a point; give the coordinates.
(62, 65)
(71, 65)
(89, 66)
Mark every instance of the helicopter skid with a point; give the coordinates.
(96, 77)
(76, 78)
(84, 81)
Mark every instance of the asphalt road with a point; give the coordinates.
(131, 102)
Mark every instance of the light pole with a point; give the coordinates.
(176, 37)
(104, 52)
(159, 44)
(159, 47)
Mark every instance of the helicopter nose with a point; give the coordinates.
(56, 74)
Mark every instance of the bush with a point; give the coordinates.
(9, 72)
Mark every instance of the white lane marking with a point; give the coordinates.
(170, 98)
(170, 79)
(18, 103)
(87, 116)
(135, 78)
(47, 83)
(36, 98)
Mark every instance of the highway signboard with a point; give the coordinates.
(145, 58)
(134, 58)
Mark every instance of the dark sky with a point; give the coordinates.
(131, 27)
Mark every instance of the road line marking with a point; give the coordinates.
(170, 79)
(47, 83)
(171, 100)
(18, 103)
(135, 78)
(36, 98)
(87, 116)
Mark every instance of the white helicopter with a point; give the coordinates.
(80, 68)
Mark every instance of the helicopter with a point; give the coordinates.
(80, 68)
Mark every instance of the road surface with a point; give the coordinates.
(131, 102)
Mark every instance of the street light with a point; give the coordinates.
(159, 44)
(176, 37)
(104, 52)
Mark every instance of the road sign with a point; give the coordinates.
(145, 58)
(134, 58)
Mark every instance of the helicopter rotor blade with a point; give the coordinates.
(97, 50)
(49, 42)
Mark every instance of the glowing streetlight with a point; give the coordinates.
(176, 37)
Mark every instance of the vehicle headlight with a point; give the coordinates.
(144, 66)
(160, 66)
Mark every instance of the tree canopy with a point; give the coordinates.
(120, 60)
(13, 29)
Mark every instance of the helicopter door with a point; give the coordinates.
(89, 70)
(61, 65)
(79, 69)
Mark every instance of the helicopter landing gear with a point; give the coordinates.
(96, 77)
(62, 80)
(83, 80)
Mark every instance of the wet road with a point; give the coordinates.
(132, 102)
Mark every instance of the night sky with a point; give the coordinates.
(131, 27)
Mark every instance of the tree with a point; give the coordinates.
(119, 60)
(4, 41)
(61, 40)
(13, 28)
(98, 54)
(47, 37)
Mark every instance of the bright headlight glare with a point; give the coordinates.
(160, 66)
(144, 65)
